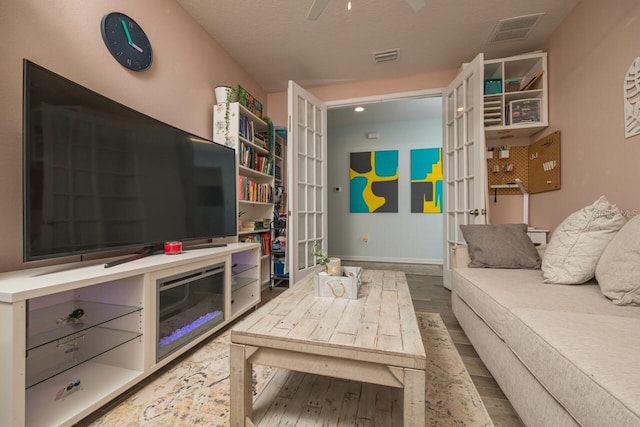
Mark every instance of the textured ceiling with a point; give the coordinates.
(274, 41)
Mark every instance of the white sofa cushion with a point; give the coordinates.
(588, 362)
(581, 348)
(578, 242)
(618, 270)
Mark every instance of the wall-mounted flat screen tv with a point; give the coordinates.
(100, 176)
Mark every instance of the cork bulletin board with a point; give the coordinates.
(544, 164)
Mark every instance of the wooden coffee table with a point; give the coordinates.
(374, 339)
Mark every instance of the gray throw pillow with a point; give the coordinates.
(500, 246)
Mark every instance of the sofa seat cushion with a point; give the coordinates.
(588, 362)
(494, 293)
(581, 348)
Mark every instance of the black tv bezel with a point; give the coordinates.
(26, 202)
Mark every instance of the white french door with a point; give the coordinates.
(463, 157)
(307, 180)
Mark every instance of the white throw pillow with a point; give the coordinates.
(618, 270)
(578, 242)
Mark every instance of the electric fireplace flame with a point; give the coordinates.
(180, 332)
(188, 305)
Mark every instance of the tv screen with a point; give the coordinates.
(101, 176)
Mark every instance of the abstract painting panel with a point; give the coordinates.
(426, 180)
(373, 181)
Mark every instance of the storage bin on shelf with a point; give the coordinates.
(524, 111)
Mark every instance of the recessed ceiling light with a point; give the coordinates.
(358, 109)
(348, 5)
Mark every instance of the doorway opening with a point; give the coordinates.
(396, 125)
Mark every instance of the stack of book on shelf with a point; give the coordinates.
(250, 158)
(252, 191)
(263, 238)
(245, 128)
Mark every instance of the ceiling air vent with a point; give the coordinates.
(518, 28)
(386, 55)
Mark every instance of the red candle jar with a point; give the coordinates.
(172, 248)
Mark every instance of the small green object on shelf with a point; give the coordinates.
(75, 315)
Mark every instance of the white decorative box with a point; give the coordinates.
(345, 286)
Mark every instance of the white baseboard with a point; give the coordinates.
(384, 259)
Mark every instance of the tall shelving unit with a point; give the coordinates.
(279, 258)
(237, 127)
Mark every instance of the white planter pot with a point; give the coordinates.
(221, 94)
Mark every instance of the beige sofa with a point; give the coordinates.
(564, 355)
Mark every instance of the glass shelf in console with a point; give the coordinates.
(242, 275)
(50, 360)
(49, 324)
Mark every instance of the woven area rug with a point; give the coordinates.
(195, 391)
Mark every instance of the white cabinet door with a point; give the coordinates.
(306, 180)
(463, 157)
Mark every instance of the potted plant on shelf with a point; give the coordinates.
(226, 95)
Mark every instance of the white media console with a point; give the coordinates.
(57, 370)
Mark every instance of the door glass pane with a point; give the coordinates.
(318, 146)
(469, 90)
(310, 117)
(470, 159)
(450, 197)
(319, 225)
(318, 119)
(460, 162)
(310, 143)
(302, 255)
(301, 197)
(319, 174)
(460, 196)
(310, 170)
(310, 226)
(311, 198)
(459, 100)
(301, 112)
(319, 193)
(459, 131)
(460, 219)
(470, 193)
(469, 117)
(449, 108)
(302, 227)
(301, 144)
(302, 168)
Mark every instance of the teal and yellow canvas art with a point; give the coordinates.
(426, 180)
(373, 181)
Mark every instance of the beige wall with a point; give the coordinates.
(64, 36)
(589, 56)
(278, 101)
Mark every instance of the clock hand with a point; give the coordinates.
(136, 47)
(126, 31)
(131, 43)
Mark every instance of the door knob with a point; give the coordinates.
(474, 212)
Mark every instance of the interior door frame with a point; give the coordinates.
(397, 96)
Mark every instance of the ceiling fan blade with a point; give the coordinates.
(416, 5)
(316, 9)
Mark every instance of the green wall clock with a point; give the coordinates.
(126, 41)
